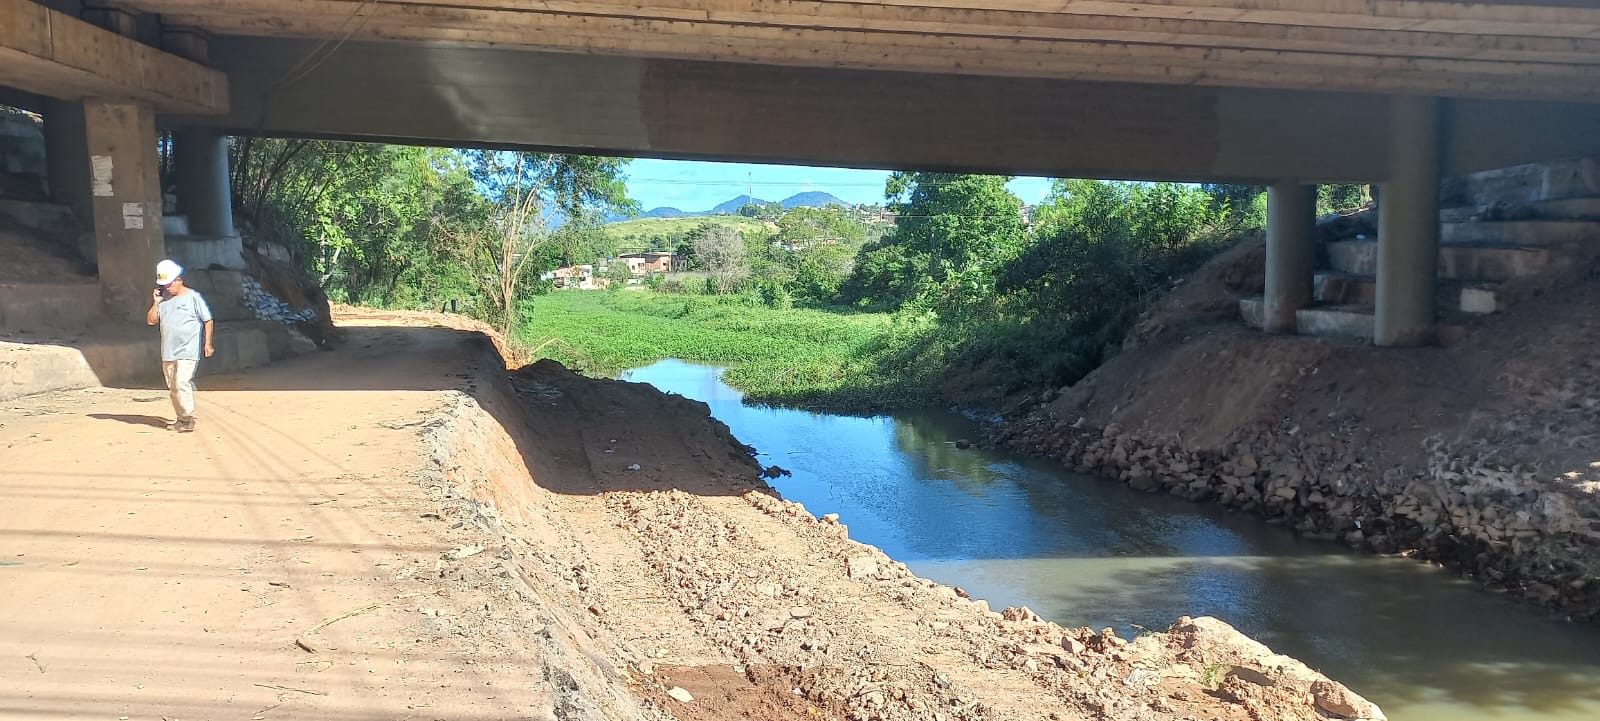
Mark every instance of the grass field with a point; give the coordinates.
(795, 356)
(640, 230)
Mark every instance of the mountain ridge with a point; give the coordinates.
(805, 199)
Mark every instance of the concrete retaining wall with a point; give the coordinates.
(128, 356)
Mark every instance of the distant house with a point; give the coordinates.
(573, 277)
(655, 261)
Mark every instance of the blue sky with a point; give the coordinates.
(697, 185)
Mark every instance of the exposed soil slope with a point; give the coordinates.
(401, 529)
(1484, 454)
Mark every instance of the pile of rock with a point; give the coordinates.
(1510, 526)
(267, 306)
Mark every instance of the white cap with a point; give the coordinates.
(167, 271)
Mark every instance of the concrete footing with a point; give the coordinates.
(123, 355)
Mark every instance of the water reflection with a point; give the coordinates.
(1082, 551)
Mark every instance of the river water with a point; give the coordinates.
(1085, 551)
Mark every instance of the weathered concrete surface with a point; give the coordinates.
(1456, 262)
(122, 355)
(193, 251)
(52, 305)
(1521, 232)
(1291, 254)
(200, 159)
(1355, 322)
(125, 195)
(223, 291)
(856, 118)
(1408, 224)
(1345, 289)
(57, 55)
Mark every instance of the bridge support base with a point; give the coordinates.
(1291, 257)
(1408, 225)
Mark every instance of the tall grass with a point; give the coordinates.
(791, 356)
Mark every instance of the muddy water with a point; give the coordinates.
(1084, 551)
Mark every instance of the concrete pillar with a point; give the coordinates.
(66, 156)
(1291, 255)
(200, 159)
(1408, 225)
(125, 195)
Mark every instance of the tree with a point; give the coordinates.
(618, 273)
(721, 251)
(497, 252)
(951, 233)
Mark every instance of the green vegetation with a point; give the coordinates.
(1010, 309)
(669, 233)
(791, 356)
(810, 306)
(402, 226)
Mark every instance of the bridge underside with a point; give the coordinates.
(861, 118)
(1282, 91)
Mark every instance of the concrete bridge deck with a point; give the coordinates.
(1287, 92)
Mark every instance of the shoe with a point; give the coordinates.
(185, 426)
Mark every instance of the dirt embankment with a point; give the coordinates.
(1484, 455)
(656, 568)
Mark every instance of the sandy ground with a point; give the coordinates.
(397, 529)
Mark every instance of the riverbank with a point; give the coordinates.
(1481, 455)
(652, 532)
(815, 358)
(1018, 530)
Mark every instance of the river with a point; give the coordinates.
(1084, 551)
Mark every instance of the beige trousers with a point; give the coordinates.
(180, 382)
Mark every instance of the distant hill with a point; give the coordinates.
(730, 207)
(808, 199)
(811, 199)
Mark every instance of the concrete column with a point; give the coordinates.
(1408, 225)
(200, 159)
(66, 156)
(1291, 256)
(125, 195)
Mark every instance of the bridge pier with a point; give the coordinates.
(1408, 225)
(1291, 256)
(124, 196)
(200, 158)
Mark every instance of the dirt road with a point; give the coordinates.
(397, 529)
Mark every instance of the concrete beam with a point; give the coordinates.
(1408, 226)
(1291, 254)
(1497, 49)
(856, 118)
(125, 196)
(53, 54)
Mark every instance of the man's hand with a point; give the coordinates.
(155, 296)
(210, 350)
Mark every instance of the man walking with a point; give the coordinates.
(183, 316)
